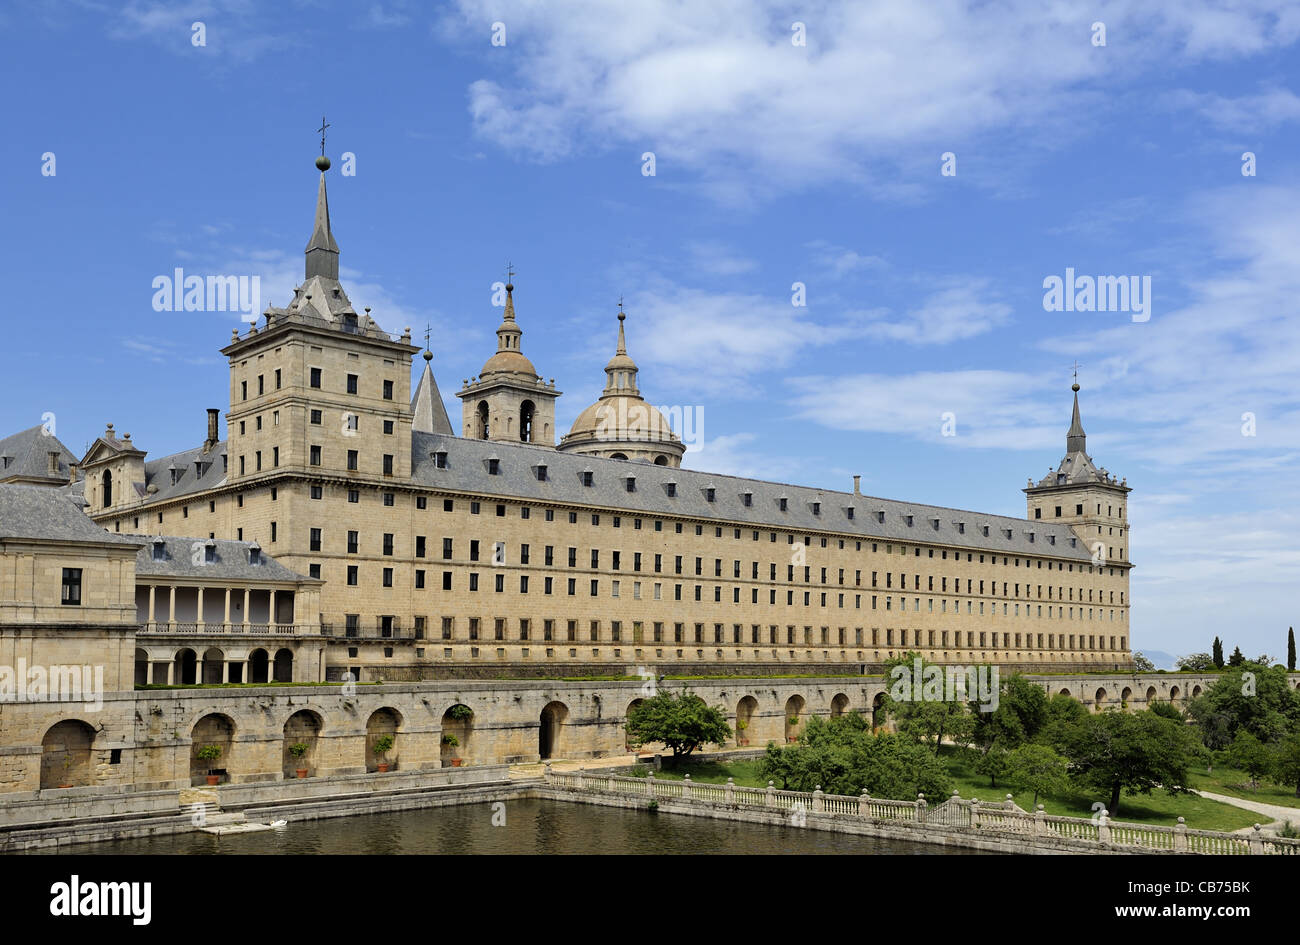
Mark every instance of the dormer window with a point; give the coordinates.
(709, 494)
(541, 473)
(961, 528)
(1008, 533)
(985, 529)
(631, 483)
(849, 511)
(880, 516)
(159, 550)
(209, 552)
(908, 519)
(254, 554)
(440, 459)
(349, 322)
(935, 523)
(783, 503)
(1051, 539)
(817, 508)
(747, 499)
(1031, 537)
(671, 489)
(1060, 479)
(586, 477)
(494, 466)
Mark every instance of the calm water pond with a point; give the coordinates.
(531, 826)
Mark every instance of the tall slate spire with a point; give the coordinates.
(322, 251)
(1076, 440)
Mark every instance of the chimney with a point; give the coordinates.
(211, 441)
(857, 485)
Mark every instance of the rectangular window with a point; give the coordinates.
(352, 383)
(72, 587)
(315, 377)
(314, 460)
(352, 460)
(388, 390)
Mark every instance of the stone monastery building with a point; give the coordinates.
(342, 524)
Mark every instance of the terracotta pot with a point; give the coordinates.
(302, 772)
(455, 762)
(792, 739)
(213, 779)
(65, 785)
(382, 766)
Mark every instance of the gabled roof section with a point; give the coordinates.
(41, 513)
(109, 446)
(196, 471)
(428, 412)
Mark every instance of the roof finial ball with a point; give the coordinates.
(323, 163)
(1075, 387)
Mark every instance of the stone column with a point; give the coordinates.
(199, 611)
(226, 619)
(152, 590)
(148, 676)
(171, 604)
(225, 670)
(246, 597)
(171, 671)
(270, 613)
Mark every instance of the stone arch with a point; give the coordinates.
(259, 666)
(66, 754)
(550, 732)
(1126, 696)
(878, 711)
(303, 727)
(1065, 692)
(107, 488)
(1196, 692)
(622, 456)
(1174, 694)
(661, 460)
(213, 662)
(839, 705)
(185, 663)
(455, 722)
(746, 712)
(1151, 694)
(283, 667)
(141, 667)
(795, 708)
(527, 411)
(630, 706)
(383, 721)
(215, 728)
(481, 422)
(1099, 698)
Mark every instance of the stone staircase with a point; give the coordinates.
(204, 807)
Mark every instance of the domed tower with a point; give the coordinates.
(508, 401)
(621, 425)
(1089, 499)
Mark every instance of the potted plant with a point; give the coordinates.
(794, 723)
(383, 745)
(451, 741)
(741, 738)
(298, 749)
(210, 753)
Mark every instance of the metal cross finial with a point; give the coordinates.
(321, 131)
(428, 330)
(510, 272)
(1076, 371)
(620, 303)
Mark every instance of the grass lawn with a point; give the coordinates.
(1233, 782)
(1155, 808)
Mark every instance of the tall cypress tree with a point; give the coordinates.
(1236, 659)
(1218, 653)
(1290, 649)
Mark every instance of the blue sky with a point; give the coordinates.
(774, 164)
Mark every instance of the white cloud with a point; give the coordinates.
(1245, 113)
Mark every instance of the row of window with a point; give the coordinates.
(316, 380)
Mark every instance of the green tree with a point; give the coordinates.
(1256, 698)
(1286, 763)
(1020, 715)
(1037, 768)
(1166, 710)
(1290, 649)
(1250, 755)
(682, 721)
(1236, 659)
(927, 720)
(1064, 715)
(1141, 664)
(1218, 653)
(1138, 752)
(1194, 662)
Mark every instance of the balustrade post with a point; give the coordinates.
(770, 799)
(1256, 841)
(546, 772)
(686, 787)
(1010, 802)
(864, 804)
(974, 812)
(729, 792)
(1040, 821)
(1180, 836)
(920, 808)
(581, 772)
(818, 800)
(650, 783)
(1103, 826)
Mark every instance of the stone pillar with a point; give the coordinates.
(171, 604)
(686, 787)
(818, 800)
(225, 670)
(226, 618)
(1103, 827)
(148, 677)
(974, 812)
(1180, 836)
(1256, 842)
(198, 614)
(270, 613)
(152, 594)
(246, 593)
(921, 808)
(863, 801)
(729, 792)
(1040, 821)
(770, 800)
(171, 672)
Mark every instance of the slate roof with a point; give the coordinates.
(467, 464)
(232, 560)
(28, 455)
(41, 512)
(428, 412)
(157, 472)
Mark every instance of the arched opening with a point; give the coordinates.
(746, 709)
(283, 667)
(1151, 694)
(457, 729)
(839, 705)
(1099, 699)
(622, 456)
(65, 755)
(878, 711)
(794, 710)
(1126, 695)
(630, 706)
(213, 663)
(526, 411)
(481, 421)
(108, 488)
(1065, 692)
(183, 672)
(1174, 693)
(550, 729)
(141, 667)
(381, 739)
(661, 460)
(301, 732)
(1196, 692)
(258, 666)
(212, 730)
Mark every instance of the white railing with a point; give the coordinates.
(1002, 818)
(190, 628)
